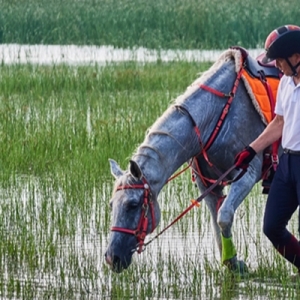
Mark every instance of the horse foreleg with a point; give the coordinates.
(224, 241)
(212, 204)
(211, 201)
(237, 193)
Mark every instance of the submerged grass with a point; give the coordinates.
(58, 127)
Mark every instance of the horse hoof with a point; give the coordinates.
(238, 267)
(241, 268)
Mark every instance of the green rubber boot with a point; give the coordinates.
(228, 249)
(229, 258)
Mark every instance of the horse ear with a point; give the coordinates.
(135, 170)
(115, 169)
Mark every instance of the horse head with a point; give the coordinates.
(135, 213)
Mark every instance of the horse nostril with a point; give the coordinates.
(114, 262)
(117, 265)
(108, 259)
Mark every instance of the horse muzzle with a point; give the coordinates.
(117, 263)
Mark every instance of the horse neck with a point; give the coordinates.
(170, 143)
(204, 106)
(172, 140)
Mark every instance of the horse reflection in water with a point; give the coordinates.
(183, 132)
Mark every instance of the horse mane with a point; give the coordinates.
(229, 54)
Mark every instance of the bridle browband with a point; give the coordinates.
(141, 231)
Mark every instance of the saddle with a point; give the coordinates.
(266, 75)
(256, 68)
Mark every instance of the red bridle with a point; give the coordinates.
(141, 231)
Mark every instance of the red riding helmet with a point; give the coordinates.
(282, 42)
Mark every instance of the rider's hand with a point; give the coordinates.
(244, 157)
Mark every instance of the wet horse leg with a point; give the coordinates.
(211, 200)
(224, 238)
(222, 234)
(237, 193)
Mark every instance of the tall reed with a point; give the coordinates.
(166, 24)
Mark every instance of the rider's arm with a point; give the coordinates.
(271, 134)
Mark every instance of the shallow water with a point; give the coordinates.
(56, 249)
(56, 54)
(60, 248)
(189, 246)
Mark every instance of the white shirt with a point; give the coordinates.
(288, 106)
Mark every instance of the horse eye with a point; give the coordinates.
(132, 204)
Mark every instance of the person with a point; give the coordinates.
(282, 45)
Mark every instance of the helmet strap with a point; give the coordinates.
(293, 68)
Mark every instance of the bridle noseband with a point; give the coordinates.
(141, 231)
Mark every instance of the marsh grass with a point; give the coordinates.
(166, 24)
(63, 118)
(58, 127)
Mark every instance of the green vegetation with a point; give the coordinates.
(166, 24)
(58, 127)
(71, 119)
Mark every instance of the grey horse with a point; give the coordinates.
(172, 141)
